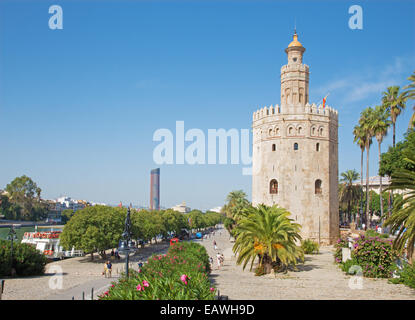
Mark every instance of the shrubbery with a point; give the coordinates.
(373, 233)
(27, 261)
(406, 276)
(181, 274)
(374, 255)
(310, 246)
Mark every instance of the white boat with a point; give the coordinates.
(47, 242)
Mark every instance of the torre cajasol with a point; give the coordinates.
(295, 154)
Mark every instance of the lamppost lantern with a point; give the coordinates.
(126, 245)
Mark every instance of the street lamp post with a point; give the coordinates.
(126, 245)
(12, 236)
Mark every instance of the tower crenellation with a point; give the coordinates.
(295, 153)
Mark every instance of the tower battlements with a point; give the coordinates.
(290, 67)
(312, 109)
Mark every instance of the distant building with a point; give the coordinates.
(155, 189)
(374, 184)
(64, 203)
(181, 208)
(217, 209)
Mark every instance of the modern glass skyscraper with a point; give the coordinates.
(155, 189)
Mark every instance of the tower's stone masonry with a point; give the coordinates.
(295, 154)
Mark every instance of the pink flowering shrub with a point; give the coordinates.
(181, 274)
(374, 255)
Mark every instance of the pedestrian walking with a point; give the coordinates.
(218, 259)
(211, 262)
(222, 259)
(109, 268)
(104, 273)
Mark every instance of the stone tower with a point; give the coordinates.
(295, 154)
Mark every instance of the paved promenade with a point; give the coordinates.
(78, 275)
(319, 278)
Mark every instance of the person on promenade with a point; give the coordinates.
(218, 259)
(109, 268)
(104, 273)
(211, 263)
(222, 259)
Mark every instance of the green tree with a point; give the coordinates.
(349, 193)
(24, 194)
(173, 221)
(393, 159)
(402, 219)
(366, 124)
(394, 102)
(360, 139)
(94, 229)
(236, 204)
(410, 94)
(380, 126)
(268, 233)
(66, 215)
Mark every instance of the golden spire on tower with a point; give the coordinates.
(295, 42)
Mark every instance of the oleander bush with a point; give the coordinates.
(406, 276)
(310, 246)
(181, 274)
(27, 261)
(374, 255)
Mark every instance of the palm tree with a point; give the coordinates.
(366, 123)
(360, 139)
(402, 219)
(268, 233)
(410, 94)
(236, 205)
(380, 126)
(394, 101)
(349, 193)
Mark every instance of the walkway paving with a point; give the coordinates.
(77, 274)
(319, 278)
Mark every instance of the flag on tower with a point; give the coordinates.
(324, 101)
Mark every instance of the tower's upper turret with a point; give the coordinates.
(295, 50)
(294, 77)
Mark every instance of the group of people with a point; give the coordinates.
(115, 254)
(219, 256)
(107, 269)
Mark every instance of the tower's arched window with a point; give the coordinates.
(321, 131)
(317, 146)
(317, 187)
(273, 147)
(300, 130)
(290, 130)
(273, 186)
(296, 146)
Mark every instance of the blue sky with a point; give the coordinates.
(79, 106)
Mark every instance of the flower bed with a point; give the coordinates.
(181, 274)
(374, 255)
